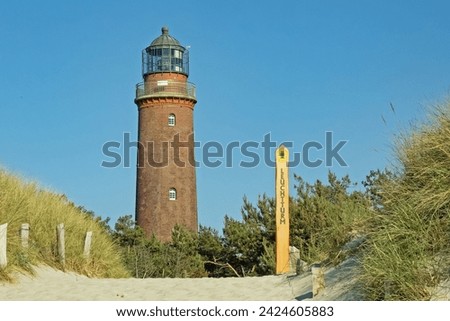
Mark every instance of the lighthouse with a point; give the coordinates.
(166, 185)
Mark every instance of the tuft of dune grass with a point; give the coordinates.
(22, 202)
(408, 254)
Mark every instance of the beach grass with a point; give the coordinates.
(26, 202)
(408, 254)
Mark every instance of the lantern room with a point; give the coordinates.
(165, 54)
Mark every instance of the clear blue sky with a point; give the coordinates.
(295, 68)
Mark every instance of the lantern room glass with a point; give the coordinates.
(165, 59)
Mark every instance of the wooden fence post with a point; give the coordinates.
(294, 260)
(87, 245)
(25, 234)
(3, 234)
(318, 279)
(61, 243)
(387, 289)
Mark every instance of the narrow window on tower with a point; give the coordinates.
(171, 120)
(172, 194)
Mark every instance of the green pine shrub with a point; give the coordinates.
(150, 258)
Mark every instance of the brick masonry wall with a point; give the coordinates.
(158, 170)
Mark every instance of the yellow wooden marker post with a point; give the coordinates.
(282, 209)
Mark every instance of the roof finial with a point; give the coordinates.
(165, 30)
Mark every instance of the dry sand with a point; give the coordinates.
(51, 284)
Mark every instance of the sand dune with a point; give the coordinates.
(51, 284)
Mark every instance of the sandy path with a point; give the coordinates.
(50, 284)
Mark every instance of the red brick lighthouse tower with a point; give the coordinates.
(166, 186)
